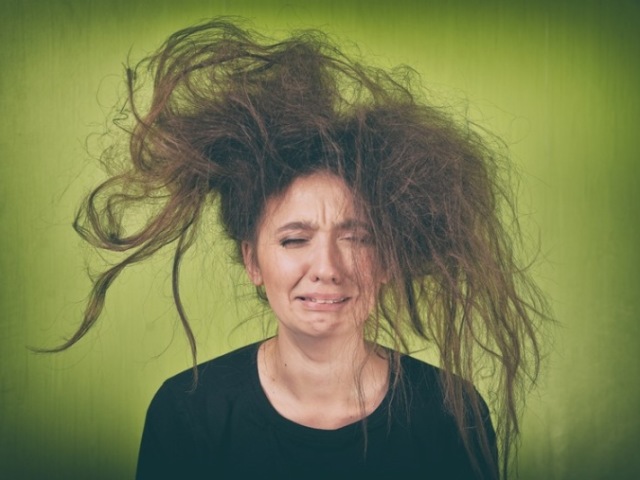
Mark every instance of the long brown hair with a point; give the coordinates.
(234, 118)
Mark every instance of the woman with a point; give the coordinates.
(368, 221)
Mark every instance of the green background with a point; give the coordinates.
(559, 81)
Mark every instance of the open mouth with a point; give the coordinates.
(329, 301)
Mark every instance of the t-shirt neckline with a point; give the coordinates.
(317, 435)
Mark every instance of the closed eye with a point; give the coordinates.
(292, 242)
(364, 238)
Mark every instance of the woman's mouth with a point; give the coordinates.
(323, 301)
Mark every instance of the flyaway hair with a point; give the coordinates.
(234, 118)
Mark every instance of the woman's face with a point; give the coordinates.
(314, 257)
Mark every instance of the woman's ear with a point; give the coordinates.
(251, 264)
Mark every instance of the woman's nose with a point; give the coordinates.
(327, 263)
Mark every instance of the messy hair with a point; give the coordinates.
(234, 118)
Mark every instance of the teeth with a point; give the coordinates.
(316, 300)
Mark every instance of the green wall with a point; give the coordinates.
(559, 81)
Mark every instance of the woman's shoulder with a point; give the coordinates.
(186, 418)
(433, 422)
(429, 382)
(420, 374)
(228, 372)
(416, 366)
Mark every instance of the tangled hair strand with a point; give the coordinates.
(235, 118)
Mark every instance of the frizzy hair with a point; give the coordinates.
(234, 118)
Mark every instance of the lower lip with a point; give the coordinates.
(323, 307)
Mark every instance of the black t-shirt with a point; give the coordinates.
(227, 429)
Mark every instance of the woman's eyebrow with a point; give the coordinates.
(348, 224)
(352, 224)
(299, 225)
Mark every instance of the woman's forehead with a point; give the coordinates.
(319, 198)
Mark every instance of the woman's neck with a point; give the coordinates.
(322, 383)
